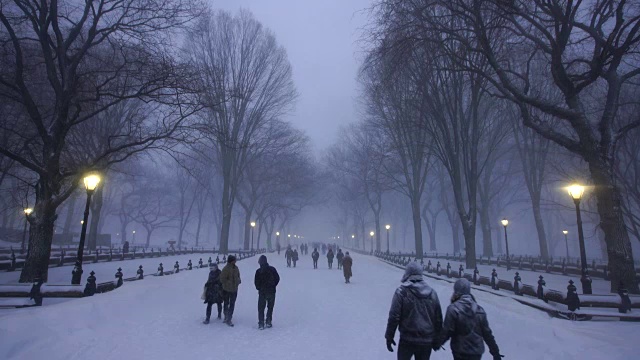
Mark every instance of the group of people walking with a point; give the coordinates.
(415, 309)
(416, 312)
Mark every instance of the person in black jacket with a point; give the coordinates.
(213, 291)
(315, 255)
(467, 326)
(266, 280)
(415, 309)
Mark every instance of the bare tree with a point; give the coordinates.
(65, 63)
(246, 82)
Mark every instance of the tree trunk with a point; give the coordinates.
(199, 227)
(417, 225)
(377, 221)
(542, 236)
(226, 215)
(247, 229)
(71, 207)
(619, 250)
(469, 230)
(96, 210)
(455, 231)
(41, 224)
(485, 223)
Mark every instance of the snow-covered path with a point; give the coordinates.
(316, 316)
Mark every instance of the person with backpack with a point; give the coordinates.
(330, 258)
(315, 255)
(266, 281)
(230, 279)
(213, 292)
(415, 310)
(467, 326)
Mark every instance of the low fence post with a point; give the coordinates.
(35, 294)
(540, 291)
(189, 265)
(460, 271)
(176, 267)
(625, 301)
(494, 280)
(119, 277)
(90, 288)
(160, 270)
(517, 281)
(140, 273)
(573, 301)
(476, 277)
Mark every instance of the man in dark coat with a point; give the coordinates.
(213, 291)
(347, 262)
(415, 309)
(288, 254)
(339, 257)
(330, 258)
(266, 280)
(295, 257)
(467, 326)
(315, 255)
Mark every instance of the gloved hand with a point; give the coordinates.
(498, 357)
(389, 343)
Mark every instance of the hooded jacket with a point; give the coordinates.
(466, 324)
(415, 310)
(266, 278)
(230, 277)
(213, 287)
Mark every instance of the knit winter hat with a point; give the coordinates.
(231, 258)
(413, 268)
(262, 260)
(462, 287)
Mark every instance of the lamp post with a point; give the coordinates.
(289, 240)
(133, 241)
(353, 239)
(90, 184)
(576, 191)
(566, 243)
(371, 234)
(388, 227)
(253, 226)
(27, 212)
(278, 239)
(504, 223)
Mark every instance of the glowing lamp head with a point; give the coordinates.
(576, 191)
(91, 182)
(277, 233)
(289, 235)
(134, 231)
(353, 236)
(372, 233)
(565, 232)
(504, 222)
(28, 211)
(82, 222)
(253, 224)
(387, 227)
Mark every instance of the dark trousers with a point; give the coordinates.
(418, 352)
(288, 262)
(466, 357)
(229, 304)
(268, 301)
(330, 264)
(209, 305)
(315, 264)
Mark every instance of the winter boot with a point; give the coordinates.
(230, 323)
(261, 326)
(206, 321)
(269, 326)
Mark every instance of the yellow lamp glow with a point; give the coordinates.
(372, 233)
(28, 211)
(91, 182)
(253, 224)
(575, 191)
(277, 233)
(565, 232)
(504, 222)
(353, 236)
(388, 227)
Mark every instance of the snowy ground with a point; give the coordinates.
(317, 316)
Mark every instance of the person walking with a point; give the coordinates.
(330, 258)
(467, 326)
(230, 278)
(347, 262)
(315, 255)
(339, 257)
(213, 291)
(415, 310)
(266, 281)
(288, 254)
(295, 257)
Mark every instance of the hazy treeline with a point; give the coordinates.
(470, 108)
(177, 106)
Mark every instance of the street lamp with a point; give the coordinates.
(372, 233)
(27, 212)
(566, 243)
(253, 226)
(90, 183)
(504, 223)
(388, 227)
(133, 241)
(576, 191)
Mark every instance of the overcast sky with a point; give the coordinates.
(321, 38)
